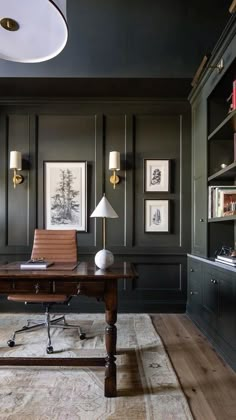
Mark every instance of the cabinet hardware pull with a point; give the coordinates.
(201, 220)
(193, 293)
(78, 289)
(192, 270)
(214, 281)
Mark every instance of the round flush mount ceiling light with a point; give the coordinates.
(32, 31)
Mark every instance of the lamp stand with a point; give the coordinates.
(104, 258)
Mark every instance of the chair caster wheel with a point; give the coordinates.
(49, 350)
(11, 343)
(82, 336)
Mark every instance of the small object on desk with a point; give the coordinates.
(36, 264)
(223, 165)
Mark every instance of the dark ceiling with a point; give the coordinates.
(132, 39)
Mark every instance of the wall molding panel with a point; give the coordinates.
(60, 130)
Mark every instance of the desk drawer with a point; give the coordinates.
(32, 286)
(95, 289)
(6, 286)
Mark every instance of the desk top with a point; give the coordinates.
(83, 270)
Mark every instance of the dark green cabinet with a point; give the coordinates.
(212, 304)
(212, 286)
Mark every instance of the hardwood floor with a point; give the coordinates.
(208, 383)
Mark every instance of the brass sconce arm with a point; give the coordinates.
(114, 179)
(17, 179)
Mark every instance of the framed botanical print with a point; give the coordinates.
(65, 198)
(156, 175)
(156, 216)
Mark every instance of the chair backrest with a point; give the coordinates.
(55, 245)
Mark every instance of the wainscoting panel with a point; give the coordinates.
(68, 138)
(18, 199)
(164, 142)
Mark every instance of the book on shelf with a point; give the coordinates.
(232, 264)
(221, 200)
(227, 258)
(35, 265)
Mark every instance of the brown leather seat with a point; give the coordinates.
(58, 246)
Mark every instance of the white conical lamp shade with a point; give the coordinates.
(40, 31)
(104, 209)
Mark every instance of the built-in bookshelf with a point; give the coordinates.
(221, 124)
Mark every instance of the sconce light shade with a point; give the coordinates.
(114, 165)
(114, 161)
(32, 31)
(15, 160)
(16, 165)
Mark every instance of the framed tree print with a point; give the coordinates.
(156, 216)
(65, 197)
(156, 175)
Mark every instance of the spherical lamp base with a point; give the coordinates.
(104, 259)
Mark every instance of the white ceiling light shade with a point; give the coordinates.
(32, 31)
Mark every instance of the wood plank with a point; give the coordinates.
(207, 381)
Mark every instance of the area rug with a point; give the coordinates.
(147, 384)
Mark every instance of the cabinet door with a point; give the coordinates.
(194, 288)
(210, 297)
(227, 309)
(199, 190)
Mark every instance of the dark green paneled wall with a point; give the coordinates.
(89, 130)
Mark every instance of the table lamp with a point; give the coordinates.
(104, 258)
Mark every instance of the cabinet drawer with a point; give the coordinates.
(95, 289)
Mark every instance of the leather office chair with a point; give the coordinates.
(59, 246)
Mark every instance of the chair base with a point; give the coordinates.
(48, 323)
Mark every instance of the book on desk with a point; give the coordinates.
(39, 264)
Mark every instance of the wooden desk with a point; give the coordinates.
(85, 279)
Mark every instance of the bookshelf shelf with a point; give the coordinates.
(225, 128)
(222, 219)
(228, 173)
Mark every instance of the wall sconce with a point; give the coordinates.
(16, 165)
(114, 165)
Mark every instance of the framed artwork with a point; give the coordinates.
(65, 200)
(156, 175)
(156, 216)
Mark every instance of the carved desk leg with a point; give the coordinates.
(110, 336)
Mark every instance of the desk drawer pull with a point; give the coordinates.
(37, 288)
(78, 289)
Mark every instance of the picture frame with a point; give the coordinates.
(65, 195)
(156, 175)
(156, 216)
